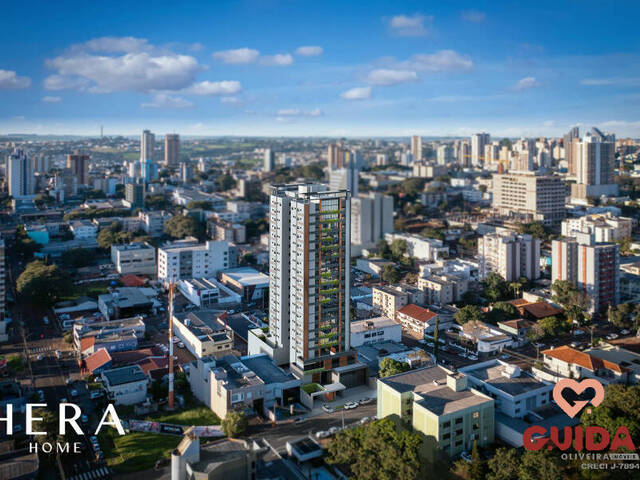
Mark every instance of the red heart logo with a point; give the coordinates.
(578, 387)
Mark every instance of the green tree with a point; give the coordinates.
(234, 424)
(42, 284)
(553, 326)
(391, 274)
(412, 186)
(535, 229)
(502, 311)
(199, 204)
(504, 465)
(25, 246)
(495, 288)
(390, 366)
(620, 408)
(225, 182)
(181, 226)
(398, 248)
(540, 465)
(477, 466)
(468, 313)
(620, 316)
(383, 249)
(78, 257)
(563, 292)
(378, 451)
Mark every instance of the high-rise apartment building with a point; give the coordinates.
(19, 174)
(569, 149)
(464, 154)
(335, 156)
(3, 293)
(595, 163)
(345, 179)
(510, 255)
(41, 164)
(187, 259)
(371, 218)
(309, 255)
(478, 141)
(147, 146)
(416, 148)
(445, 154)
(134, 194)
(269, 160)
(78, 163)
(530, 197)
(605, 227)
(593, 267)
(171, 149)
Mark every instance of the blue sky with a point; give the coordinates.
(320, 67)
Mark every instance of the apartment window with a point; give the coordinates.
(458, 420)
(446, 436)
(458, 432)
(446, 424)
(476, 414)
(458, 443)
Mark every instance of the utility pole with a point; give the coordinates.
(170, 310)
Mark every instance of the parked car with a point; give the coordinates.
(466, 456)
(625, 332)
(180, 345)
(350, 405)
(365, 401)
(328, 408)
(472, 357)
(322, 434)
(612, 336)
(40, 357)
(334, 430)
(58, 354)
(578, 332)
(364, 420)
(504, 356)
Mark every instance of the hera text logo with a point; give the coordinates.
(68, 415)
(591, 438)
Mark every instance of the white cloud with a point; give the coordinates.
(196, 47)
(10, 80)
(473, 16)
(117, 45)
(111, 64)
(230, 100)
(357, 93)
(391, 77)
(295, 112)
(309, 51)
(410, 25)
(618, 81)
(549, 123)
(162, 100)
(49, 99)
(278, 60)
(526, 83)
(226, 87)
(237, 56)
(441, 61)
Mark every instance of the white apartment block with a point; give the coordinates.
(134, 258)
(422, 248)
(371, 218)
(510, 255)
(188, 259)
(83, 229)
(605, 227)
(530, 197)
(153, 222)
(478, 141)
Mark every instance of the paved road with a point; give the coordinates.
(279, 435)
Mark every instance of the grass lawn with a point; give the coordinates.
(92, 289)
(200, 415)
(137, 451)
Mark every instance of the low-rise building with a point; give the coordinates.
(619, 356)
(83, 229)
(126, 385)
(567, 362)
(247, 282)
(416, 320)
(125, 302)
(153, 222)
(486, 338)
(387, 300)
(207, 292)
(82, 329)
(374, 330)
(201, 339)
(137, 258)
(237, 383)
(439, 404)
(187, 259)
(422, 248)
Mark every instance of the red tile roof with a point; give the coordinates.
(417, 313)
(540, 310)
(153, 363)
(518, 323)
(86, 343)
(97, 360)
(570, 355)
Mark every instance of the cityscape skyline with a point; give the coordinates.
(414, 69)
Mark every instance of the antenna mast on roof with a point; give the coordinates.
(170, 309)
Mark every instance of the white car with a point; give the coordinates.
(578, 332)
(328, 408)
(625, 332)
(505, 357)
(612, 336)
(350, 405)
(364, 420)
(472, 357)
(322, 434)
(334, 430)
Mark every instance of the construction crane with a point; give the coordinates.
(170, 310)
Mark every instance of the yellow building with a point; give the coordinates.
(438, 403)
